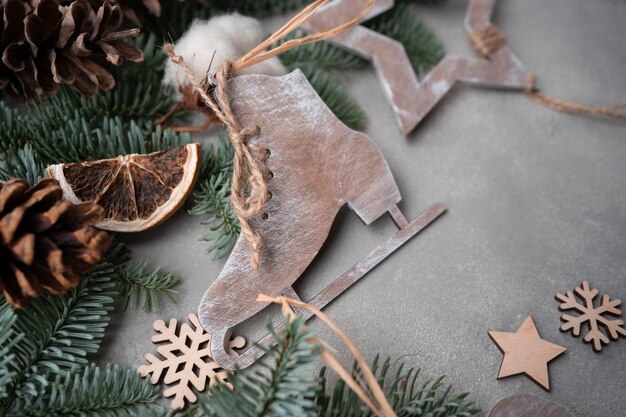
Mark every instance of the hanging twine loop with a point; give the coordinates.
(616, 111)
(378, 404)
(487, 40)
(248, 188)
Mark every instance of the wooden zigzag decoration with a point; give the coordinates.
(411, 99)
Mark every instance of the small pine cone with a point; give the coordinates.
(46, 242)
(48, 45)
(133, 10)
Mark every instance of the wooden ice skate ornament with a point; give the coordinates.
(295, 166)
(410, 99)
(528, 406)
(525, 352)
(315, 165)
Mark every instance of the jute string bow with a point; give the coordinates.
(378, 404)
(249, 191)
(489, 39)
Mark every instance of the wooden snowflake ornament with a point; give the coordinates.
(185, 360)
(592, 315)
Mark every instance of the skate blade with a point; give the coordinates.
(349, 278)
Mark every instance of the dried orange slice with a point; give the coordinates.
(136, 191)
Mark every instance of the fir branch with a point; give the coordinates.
(279, 385)
(407, 397)
(336, 98)
(114, 392)
(145, 289)
(176, 17)
(218, 159)
(8, 339)
(76, 140)
(402, 24)
(13, 132)
(258, 8)
(321, 55)
(213, 199)
(59, 331)
(427, 2)
(23, 163)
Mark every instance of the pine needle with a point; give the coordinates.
(403, 389)
(402, 24)
(213, 199)
(145, 289)
(322, 55)
(113, 392)
(281, 384)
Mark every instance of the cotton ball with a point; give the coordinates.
(245, 32)
(213, 41)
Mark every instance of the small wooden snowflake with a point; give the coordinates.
(594, 316)
(186, 360)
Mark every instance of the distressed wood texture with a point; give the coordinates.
(411, 99)
(317, 165)
(525, 352)
(528, 406)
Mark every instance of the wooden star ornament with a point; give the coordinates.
(525, 352)
(411, 98)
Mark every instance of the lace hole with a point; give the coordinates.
(265, 216)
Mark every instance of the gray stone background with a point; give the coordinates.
(537, 204)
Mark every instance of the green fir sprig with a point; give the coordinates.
(401, 23)
(145, 289)
(212, 199)
(112, 392)
(408, 396)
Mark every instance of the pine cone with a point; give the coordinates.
(49, 45)
(133, 10)
(137, 11)
(46, 242)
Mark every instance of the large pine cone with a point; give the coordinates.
(46, 242)
(48, 45)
